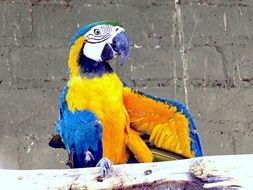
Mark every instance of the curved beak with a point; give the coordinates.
(120, 46)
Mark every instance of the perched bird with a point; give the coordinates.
(102, 121)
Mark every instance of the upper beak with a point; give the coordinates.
(120, 45)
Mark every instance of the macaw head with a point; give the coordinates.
(101, 42)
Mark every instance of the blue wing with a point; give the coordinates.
(81, 131)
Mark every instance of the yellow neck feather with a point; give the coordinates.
(74, 55)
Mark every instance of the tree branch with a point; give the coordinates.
(210, 172)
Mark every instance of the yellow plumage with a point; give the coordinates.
(168, 129)
(119, 107)
(104, 96)
(73, 57)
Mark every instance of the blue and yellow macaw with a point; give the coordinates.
(100, 117)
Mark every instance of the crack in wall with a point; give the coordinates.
(225, 64)
(173, 54)
(184, 59)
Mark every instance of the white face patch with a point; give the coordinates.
(97, 37)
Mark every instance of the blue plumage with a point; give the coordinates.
(81, 32)
(91, 68)
(80, 131)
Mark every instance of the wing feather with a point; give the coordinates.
(168, 123)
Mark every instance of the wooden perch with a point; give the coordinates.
(211, 172)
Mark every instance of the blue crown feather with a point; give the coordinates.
(87, 27)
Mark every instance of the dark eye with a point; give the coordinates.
(97, 32)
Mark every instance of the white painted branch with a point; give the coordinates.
(225, 172)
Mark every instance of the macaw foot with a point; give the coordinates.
(104, 165)
(70, 162)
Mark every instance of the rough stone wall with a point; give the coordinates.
(198, 51)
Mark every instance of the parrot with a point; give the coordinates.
(103, 121)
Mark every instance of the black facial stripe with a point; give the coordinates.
(103, 35)
(91, 36)
(95, 39)
(91, 42)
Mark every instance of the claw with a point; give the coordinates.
(104, 165)
(88, 156)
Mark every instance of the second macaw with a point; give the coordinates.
(100, 117)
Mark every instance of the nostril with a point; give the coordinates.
(117, 29)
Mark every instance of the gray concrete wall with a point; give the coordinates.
(199, 52)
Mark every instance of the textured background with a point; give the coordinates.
(199, 52)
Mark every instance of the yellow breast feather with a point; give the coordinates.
(103, 96)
